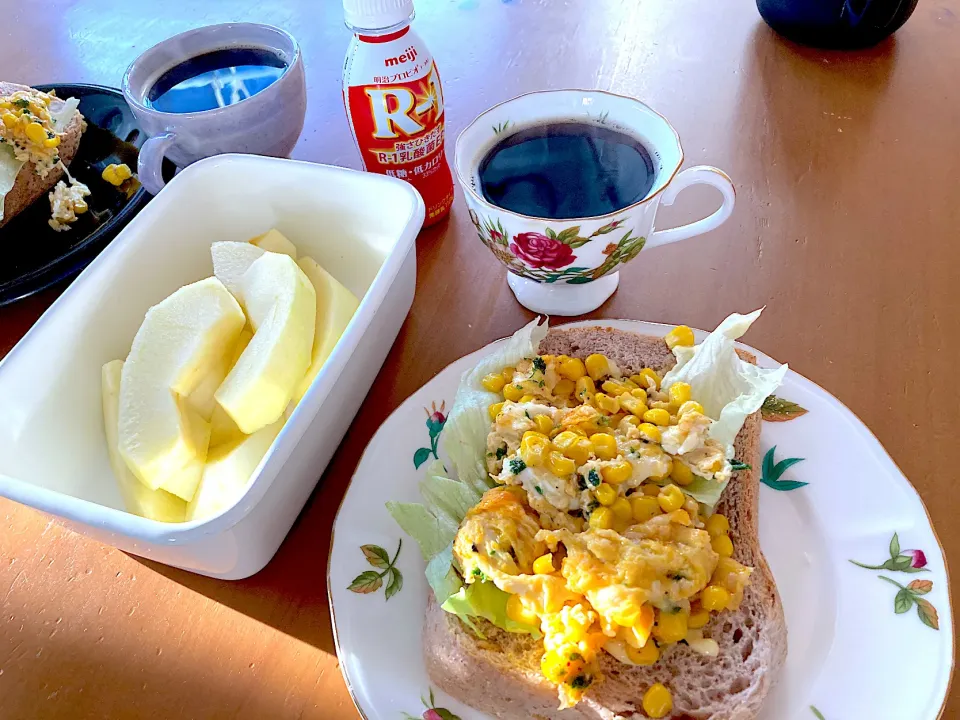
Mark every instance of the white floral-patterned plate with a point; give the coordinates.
(859, 568)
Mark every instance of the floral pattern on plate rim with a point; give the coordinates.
(369, 581)
(548, 257)
(432, 711)
(776, 409)
(436, 419)
(772, 470)
(908, 561)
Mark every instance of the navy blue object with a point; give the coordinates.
(836, 23)
(33, 257)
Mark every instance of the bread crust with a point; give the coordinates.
(499, 674)
(29, 187)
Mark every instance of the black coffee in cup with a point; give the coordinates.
(566, 169)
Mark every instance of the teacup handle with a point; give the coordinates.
(700, 174)
(150, 162)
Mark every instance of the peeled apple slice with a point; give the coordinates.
(139, 499)
(228, 472)
(335, 306)
(202, 398)
(275, 241)
(162, 439)
(223, 429)
(281, 305)
(231, 260)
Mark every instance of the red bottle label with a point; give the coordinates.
(397, 118)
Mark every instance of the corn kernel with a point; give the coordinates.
(671, 498)
(597, 366)
(80, 206)
(517, 612)
(650, 490)
(35, 133)
(51, 142)
(717, 524)
(574, 446)
(698, 619)
(508, 373)
(714, 598)
(604, 445)
(617, 417)
(681, 517)
(513, 392)
(622, 512)
(679, 393)
(544, 423)
(124, 172)
(563, 388)
(649, 431)
(560, 465)
(534, 448)
(494, 410)
(543, 565)
(657, 416)
(618, 472)
(638, 633)
(648, 379)
(671, 627)
(644, 507)
(690, 406)
(585, 389)
(722, 545)
(493, 382)
(681, 474)
(606, 403)
(632, 404)
(527, 398)
(602, 518)
(647, 655)
(638, 392)
(572, 369)
(615, 387)
(657, 701)
(606, 495)
(680, 336)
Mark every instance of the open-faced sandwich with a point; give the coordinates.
(593, 551)
(39, 137)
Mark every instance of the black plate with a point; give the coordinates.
(33, 256)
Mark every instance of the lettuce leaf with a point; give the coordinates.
(485, 600)
(729, 388)
(465, 433)
(706, 492)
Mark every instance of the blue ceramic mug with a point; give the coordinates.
(265, 123)
(836, 23)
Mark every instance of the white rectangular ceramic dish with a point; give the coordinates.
(53, 456)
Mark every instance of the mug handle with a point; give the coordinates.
(150, 161)
(698, 175)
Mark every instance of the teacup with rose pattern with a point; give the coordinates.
(570, 266)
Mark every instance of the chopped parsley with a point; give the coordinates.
(540, 364)
(478, 573)
(580, 682)
(516, 465)
(737, 465)
(581, 482)
(594, 477)
(677, 576)
(591, 506)
(537, 488)
(573, 657)
(22, 103)
(501, 453)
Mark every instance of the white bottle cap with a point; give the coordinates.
(376, 14)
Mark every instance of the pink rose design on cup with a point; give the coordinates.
(540, 251)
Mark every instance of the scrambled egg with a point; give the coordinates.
(589, 529)
(66, 202)
(27, 127)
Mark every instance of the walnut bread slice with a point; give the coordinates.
(500, 673)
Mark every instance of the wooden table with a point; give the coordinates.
(846, 168)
